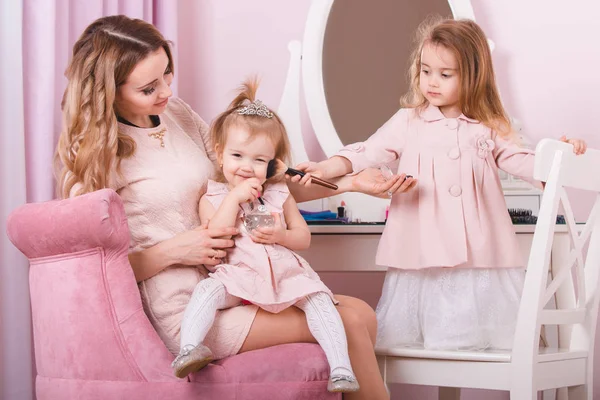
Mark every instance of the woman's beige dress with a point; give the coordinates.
(161, 188)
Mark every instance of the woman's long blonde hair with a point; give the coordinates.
(273, 127)
(90, 146)
(479, 97)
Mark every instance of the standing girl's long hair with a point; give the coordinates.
(479, 97)
(90, 145)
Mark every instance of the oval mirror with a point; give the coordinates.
(355, 62)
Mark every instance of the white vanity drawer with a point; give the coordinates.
(343, 252)
(356, 252)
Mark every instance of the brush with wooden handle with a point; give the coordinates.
(277, 167)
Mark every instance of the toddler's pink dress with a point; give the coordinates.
(271, 276)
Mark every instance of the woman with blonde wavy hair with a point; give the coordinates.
(123, 130)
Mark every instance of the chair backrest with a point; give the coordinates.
(578, 279)
(88, 321)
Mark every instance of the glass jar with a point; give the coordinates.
(258, 218)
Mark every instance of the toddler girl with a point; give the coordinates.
(455, 272)
(262, 268)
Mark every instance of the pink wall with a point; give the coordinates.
(233, 39)
(546, 58)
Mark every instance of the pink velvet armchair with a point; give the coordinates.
(92, 339)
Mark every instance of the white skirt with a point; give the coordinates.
(449, 308)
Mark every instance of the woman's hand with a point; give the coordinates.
(579, 146)
(247, 191)
(371, 181)
(202, 245)
(270, 235)
(310, 169)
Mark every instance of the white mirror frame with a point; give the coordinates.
(312, 69)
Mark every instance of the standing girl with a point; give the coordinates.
(455, 271)
(262, 268)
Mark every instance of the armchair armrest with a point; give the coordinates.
(67, 226)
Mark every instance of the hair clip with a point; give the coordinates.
(256, 108)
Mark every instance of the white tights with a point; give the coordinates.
(326, 326)
(323, 320)
(208, 297)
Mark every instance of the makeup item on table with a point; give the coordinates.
(324, 217)
(525, 216)
(341, 210)
(521, 216)
(344, 212)
(277, 167)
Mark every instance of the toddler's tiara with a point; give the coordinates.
(256, 108)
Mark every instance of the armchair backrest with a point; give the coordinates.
(577, 282)
(88, 321)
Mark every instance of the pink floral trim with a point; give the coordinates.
(484, 146)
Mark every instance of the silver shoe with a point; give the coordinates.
(342, 383)
(191, 359)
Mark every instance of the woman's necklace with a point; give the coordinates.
(159, 135)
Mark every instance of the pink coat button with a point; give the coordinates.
(452, 123)
(455, 190)
(454, 153)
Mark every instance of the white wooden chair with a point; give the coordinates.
(529, 368)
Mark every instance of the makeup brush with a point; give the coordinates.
(277, 167)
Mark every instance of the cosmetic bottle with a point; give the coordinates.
(341, 210)
(258, 217)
